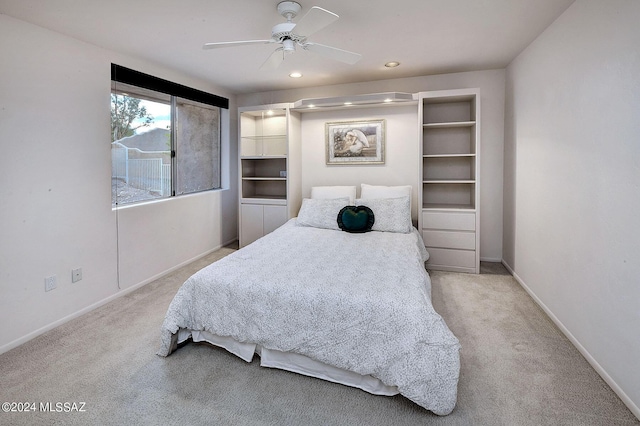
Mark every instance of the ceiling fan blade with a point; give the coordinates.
(274, 60)
(314, 20)
(235, 43)
(333, 53)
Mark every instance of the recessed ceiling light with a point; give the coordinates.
(348, 103)
(392, 64)
(295, 75)
(270, 112)
(388, 100)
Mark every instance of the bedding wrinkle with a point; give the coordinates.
(358, 302)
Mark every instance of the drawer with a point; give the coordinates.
(451, 257)
(449, 239)
(456, 221)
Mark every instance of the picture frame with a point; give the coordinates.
(355, 142)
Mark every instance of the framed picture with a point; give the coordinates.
(355, 142)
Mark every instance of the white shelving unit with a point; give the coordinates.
(269, 169)
(450, 179)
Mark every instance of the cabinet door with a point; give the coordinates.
(251, 221)
(274, 217)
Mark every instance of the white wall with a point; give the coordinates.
(401, 162)
(55, 175)
(402, 148)
(572, 163)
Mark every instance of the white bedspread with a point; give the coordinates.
(360, 302)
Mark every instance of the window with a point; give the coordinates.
(198, 147)
(165, 138)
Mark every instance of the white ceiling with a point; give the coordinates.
(425, 36)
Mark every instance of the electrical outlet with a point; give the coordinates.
(50, 283)
(76, 275)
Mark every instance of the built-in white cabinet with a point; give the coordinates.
(269, 149)
(258, 220)
(449, 190)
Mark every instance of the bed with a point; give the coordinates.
(348, 307)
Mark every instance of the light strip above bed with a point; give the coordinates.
(389, 98)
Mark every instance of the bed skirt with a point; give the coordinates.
(288, 361)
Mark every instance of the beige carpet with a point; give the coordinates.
(517, 369)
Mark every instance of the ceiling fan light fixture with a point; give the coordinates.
(288, 45)
(392, 64)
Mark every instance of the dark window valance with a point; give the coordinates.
(126, 75)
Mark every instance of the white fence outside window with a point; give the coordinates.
(141, 169)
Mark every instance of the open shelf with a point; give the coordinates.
(262, 167)
(443, 206)
(264, 188)
(448, 168)
(448, 140)
(448, 110)
(264, 199)
(265, 178)
(453, 194)
(450, 178)
(449, 125)
(263, 154)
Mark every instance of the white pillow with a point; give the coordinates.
(390, 214)
(321, 212)
(324, 192)
(378, 191)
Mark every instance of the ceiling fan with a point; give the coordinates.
(289, 35)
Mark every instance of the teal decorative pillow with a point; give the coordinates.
(356, 219)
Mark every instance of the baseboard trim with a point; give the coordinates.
(585, 353)
(122, 292)
(490, 259)
(506, 265)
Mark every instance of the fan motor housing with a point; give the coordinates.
(283, 32)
